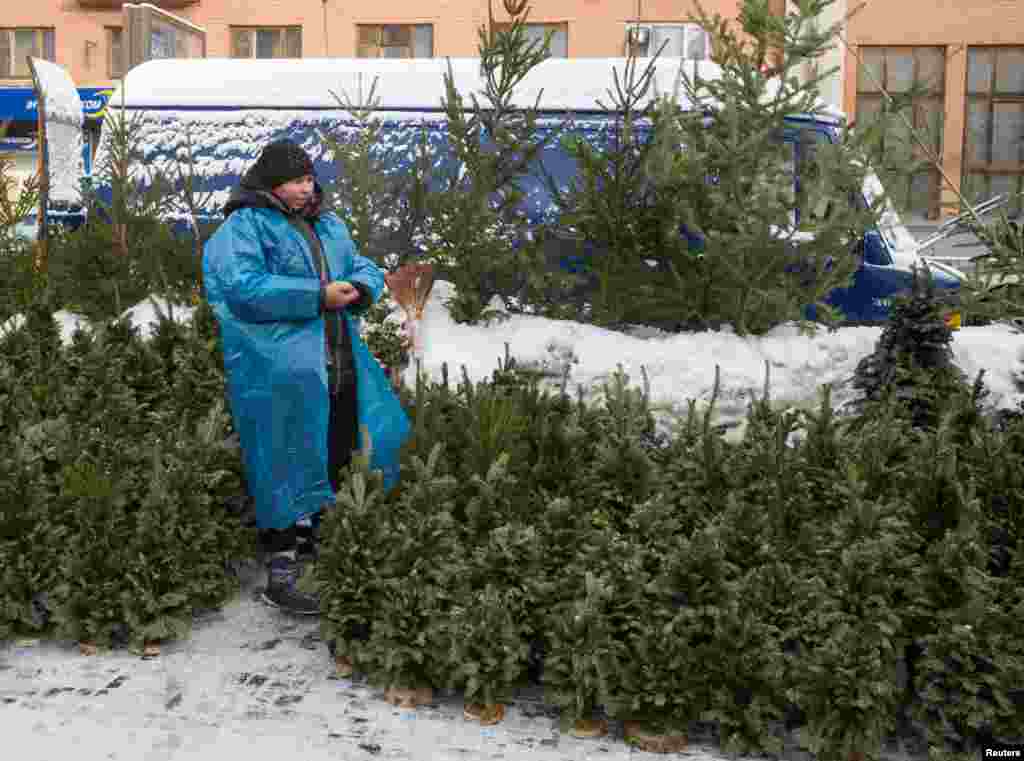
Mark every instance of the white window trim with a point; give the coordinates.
(680, 24)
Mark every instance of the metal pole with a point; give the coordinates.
(43, 169)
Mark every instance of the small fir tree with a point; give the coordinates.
(127, 249)
(21, 281)
(478, 231)
(608, 210)
(995, 289)
(378, 193)
(913, 360)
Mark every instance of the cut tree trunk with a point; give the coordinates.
(484, 713)
(343, 666)
(405, 697)
(589, 728)
(653, 740)
(88, 648)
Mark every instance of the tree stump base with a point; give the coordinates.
(586, 728)
(647, 738)
(405, 697)
(484, 714)
(343, 666)
(88, 648)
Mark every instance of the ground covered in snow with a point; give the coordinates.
(257, 684)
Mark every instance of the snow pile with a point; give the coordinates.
(556, 84)
(63, 108)
(144, 317)
(679, 367)
(562, 84)
(68, 322)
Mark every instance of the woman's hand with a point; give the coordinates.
(339, 294)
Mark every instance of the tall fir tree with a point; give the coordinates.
(730, 212)
(479, 232)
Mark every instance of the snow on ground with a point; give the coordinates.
(255, 683)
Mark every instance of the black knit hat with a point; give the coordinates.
(280, 162)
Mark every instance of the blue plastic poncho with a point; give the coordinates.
(261, 282)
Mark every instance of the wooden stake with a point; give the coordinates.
(43, 170)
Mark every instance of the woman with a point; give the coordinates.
(287, 286)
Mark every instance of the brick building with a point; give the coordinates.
(969, 53)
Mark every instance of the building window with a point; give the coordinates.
(901, 70)
(266, 42)
(16, 45)
(395, 41)
(115, 52)
(537, 32)
(687, 41)
(994, 137)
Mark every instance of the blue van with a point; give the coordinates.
(225, 110)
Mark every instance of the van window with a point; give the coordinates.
(814, 201)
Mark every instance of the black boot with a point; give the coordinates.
(283, 573)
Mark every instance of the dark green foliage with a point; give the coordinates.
(972, 657)
(780, 580)
(127, 248)
(584, 631)
(383, 337)
(845, 669)
(382, 574)
(384, 209)
(95, 277)
(356, 542)
(994, 291)
(709, 200)
(102, 541)
(912, 360)
(493, 584)
(29, 544)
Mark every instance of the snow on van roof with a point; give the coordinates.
(563, 84)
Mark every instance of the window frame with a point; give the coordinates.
(685, 25)
(380, 46)
(46, 40)
(936, 97)
(115, 69)
(983, 172)
(253, 29)
(504, 26)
